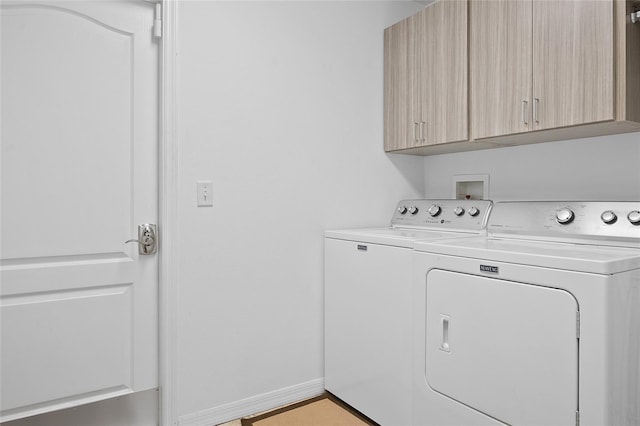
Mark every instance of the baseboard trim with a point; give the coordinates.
(252, 405)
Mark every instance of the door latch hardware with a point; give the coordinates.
(147, 239)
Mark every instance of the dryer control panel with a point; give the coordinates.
(614, 223)
(464, 215)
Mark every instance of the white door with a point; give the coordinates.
(506, 349)
(78, 306)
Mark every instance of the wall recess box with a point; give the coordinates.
(470, 187)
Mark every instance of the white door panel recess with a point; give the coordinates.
(78, 173)
(506, 349)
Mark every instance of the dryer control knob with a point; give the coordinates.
(474, 211)
(413, 210)
(608, 217)
(434, 210)
(634, 217)
(564, 216)
(402, 209)
(459, 211)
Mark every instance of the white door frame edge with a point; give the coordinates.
(168, 196)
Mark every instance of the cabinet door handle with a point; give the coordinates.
(415, 133)
(536, 102)
(422, 137)
(523, 112)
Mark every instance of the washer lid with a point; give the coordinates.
(567, 256)
(397, 237)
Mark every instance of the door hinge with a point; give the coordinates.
(577, 418)
(157, 21)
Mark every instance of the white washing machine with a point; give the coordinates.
(368, 291)
(538, 323)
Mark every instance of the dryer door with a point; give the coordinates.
(506, 349)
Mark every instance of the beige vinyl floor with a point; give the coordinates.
(239, 423)
(291, 415)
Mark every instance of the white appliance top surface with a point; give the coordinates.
(398, 237)
(421, 219)
(567, 256)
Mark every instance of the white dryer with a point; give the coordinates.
(368, 301)
(537, 323)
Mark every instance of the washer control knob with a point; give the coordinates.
(459, 211)
(564, 216)
(402, 209)
(434, 210)
(413, 210)
(608, 217)
(634, 217)
(474, 211)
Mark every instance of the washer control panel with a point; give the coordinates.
(615, 221)
(443, 214)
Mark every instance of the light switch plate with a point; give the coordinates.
(205, 193)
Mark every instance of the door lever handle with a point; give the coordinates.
(147, 239)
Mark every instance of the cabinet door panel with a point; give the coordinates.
(444, 68)
(397, 87)
(500, 65)
(573, 56)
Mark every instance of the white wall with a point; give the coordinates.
(281, 107)
(603, 168)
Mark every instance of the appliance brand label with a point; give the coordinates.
(362, 247)
(489, 268)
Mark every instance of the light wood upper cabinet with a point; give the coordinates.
(445, 72)
(531, 71)
(546, 65)
(426, 71)
(397, 90)
(627, 72)
(501, 71)
(573, 63)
